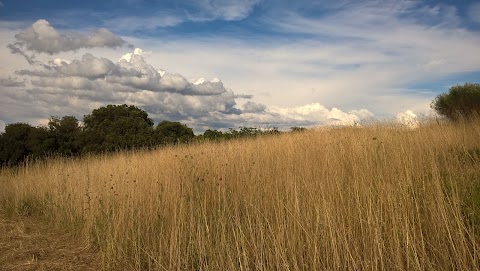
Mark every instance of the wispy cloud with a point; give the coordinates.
(229, 10)
(185, 11)
(130, 23)
(474, 12)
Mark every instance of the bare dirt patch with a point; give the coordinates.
(27, 243)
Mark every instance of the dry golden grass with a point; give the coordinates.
(28, 243)
(372, 198)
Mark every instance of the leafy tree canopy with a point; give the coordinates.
(173, 132)
(459, 102)
(63, 133)
(14, 143)
(213, 134)
(116, 127)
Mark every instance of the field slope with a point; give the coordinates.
(372, 198)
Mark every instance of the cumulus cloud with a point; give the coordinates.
(132, 70)
(316, 114)
(130, 73)
(11, 82)
(252, 107)
(408, 118)
(89, 67)
(362, 114)
(41, 37)
(80, 85)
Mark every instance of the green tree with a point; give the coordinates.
(116, 127)
(213, 134)
(40, 142)
(459, 102)
(63, 133)
(13, 145)
(21, 140)
(169, 132)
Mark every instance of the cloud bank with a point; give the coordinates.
(77, 86)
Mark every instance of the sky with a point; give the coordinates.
(219, 64)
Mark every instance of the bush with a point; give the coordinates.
(459, 102)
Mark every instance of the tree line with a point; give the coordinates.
(106, 129)
(122, 127)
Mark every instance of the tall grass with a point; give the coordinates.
(372, 198)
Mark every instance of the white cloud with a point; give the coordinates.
(362, 114)
(83, 84)
(408, 118)
(131, 73)
(41, 37)
(316, 114)
(89, 67)
(127, 57)
(60, 62)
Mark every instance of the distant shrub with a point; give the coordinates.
(459, 102)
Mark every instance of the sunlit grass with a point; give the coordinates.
(379, 197)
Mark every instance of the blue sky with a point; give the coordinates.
(223, 63)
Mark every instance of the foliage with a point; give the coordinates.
(116, 127)
(243, 132)
(108, 128)
(13, 146)
(63, 132)
(213, 134)
(170, 132)
(459, 102)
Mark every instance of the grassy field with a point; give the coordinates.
(373, 198)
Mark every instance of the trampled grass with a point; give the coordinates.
(373, 198)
